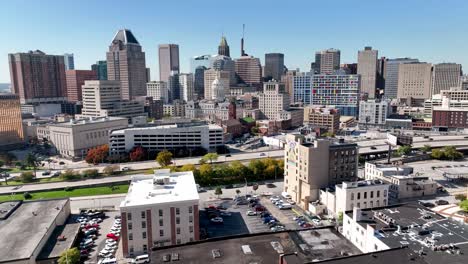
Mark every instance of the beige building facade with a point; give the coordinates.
(11, 124)
(415, 81)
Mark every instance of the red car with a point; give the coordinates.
(112, 236)
(259, 208)
(91, 226)
(84, 252)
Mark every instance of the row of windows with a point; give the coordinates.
(371, 194)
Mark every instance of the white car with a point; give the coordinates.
(251, 213)
(125, 169)
(110, 248)
(217, 220)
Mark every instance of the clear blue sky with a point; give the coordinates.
(431, 30)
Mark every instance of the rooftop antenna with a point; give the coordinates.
(242, 40)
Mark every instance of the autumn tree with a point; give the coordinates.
(164, 158)
(138, 153)
(97, 154)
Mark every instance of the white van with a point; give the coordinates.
(286, 195)
(142, 259)
(109, 261)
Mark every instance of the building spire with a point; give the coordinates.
(223, 48)
(242, 41)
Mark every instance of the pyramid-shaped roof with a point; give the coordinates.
(126, 36)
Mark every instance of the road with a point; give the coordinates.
(364, 147)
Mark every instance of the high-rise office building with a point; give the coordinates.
(223, 48)
(209, 76)
(464, 82)
(168, 61)
(75, 79)
(186, 87)
(69, 61)
(287, 79)
(367, 68)
(339, 90)
(310, 166)
(101, 69)
(126, 63)
(11, 124)
(273, 100)
(327, 61)
(224, 63)
(249, 70)
(446, 76)
(197, 61)
(391, 75)
(38, 77)
(102, 98)
(148, 75)
(274, 66)
(302, 89)
(173, 86)
(415, 81)
(158, 90)
(199, 82)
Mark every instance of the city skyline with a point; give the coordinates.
(438, 40)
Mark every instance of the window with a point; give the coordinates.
(384, 201)
(385, 193)
(130, 236)
(160, 212)
(177, 211)
(178, 230)
(365, 195)
(143, 235)
(143, 224)
(177, 220)
(352, 196)
(131, 250)
(378, 194)
(161, 232)
(191, 229)
(143, 215)
(129, 216)
(145, 248)
(190, 210)
(190, 219)
(358, 196)
(130, 226)
(178, 241)
(161, 223)
(372, 194)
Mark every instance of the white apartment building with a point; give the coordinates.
(158, 90)
(373, 112)
(159, 210)
(186, 87)
(102, 98)
(273, 100)
(360, 194)
(73, 139)
(162, 137)
(403, 183)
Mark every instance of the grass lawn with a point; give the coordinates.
(122, 188)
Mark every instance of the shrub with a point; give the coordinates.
(90, 173)
(27, 176)
(27, 195)
(111, 170)
(70, 175)
(460, 197)
(68, 189)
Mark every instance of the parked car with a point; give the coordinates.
(372, 147)
(427, 204)
(270, 185)
(45, 173)
(112, 236)
(228, 155)
(61, 163)
(262, 154)
(441, 202)
(284, 206)
(217, 220)
(142, 259)
(251, 213)
(225, 213)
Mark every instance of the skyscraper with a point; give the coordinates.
(186, 86)
(199, 82)
(391, 75)
(249, 70)
(223, 48)
(224, 63)
(168, 61)
(287, 80)
(274, 66)
(101, 69)
(446, 76)
(126, 63)
(302, 89)
(75, 79)
(210, 76)
(327, 61)
(415, 81)
(69, 61)
(367, 68)
(273, 100)
(11, 125)
(197, 61)
(37, 77)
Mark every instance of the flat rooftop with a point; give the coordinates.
(397, 255)
(86, 121)
(26, 227)
(419, 229)
(310, 245)
(165, 127)
(162, 187)
(54, 247)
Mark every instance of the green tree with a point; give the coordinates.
(188, 167)
(211, 157)
(31, 161)
(403, 150)
(340, 218)
(328, 134)
(27, 176)
(238, 192)
(90, 173)
(426, 148)
(451, 153)
(218, 191)
(164, 158)
(460, 197)
(254, 130)
(437, 154)
(70, 256)
(205, 173)
(257, 167)
(7, 158)
(239, 169)
(27, 195)
(464, 205)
